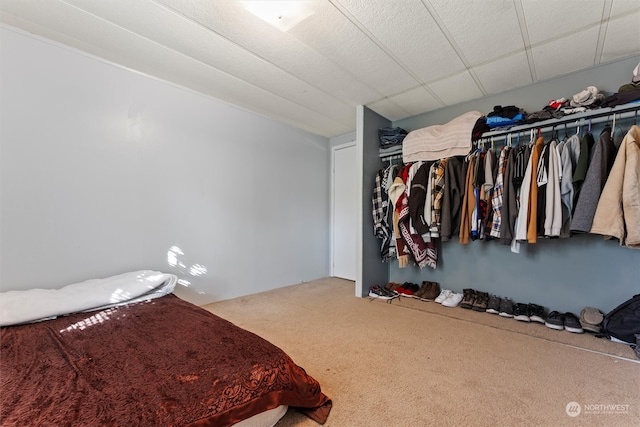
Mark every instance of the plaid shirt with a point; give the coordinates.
(380, 201)
(437, 190)
(498, 192)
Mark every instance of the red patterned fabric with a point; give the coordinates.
(164, 362)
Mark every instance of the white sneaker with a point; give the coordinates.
(452, 300)
(444, 294)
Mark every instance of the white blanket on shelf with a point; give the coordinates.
(31, 305)
(440, 141)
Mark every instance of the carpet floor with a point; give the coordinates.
(417, 363)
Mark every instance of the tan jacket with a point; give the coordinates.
(618, 211)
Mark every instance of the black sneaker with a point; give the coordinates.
(536, 313)
(520, 312)
(506, 307)
(468, 297)
(555, 320)
(493, 306)
(572, 323)
(481, 301)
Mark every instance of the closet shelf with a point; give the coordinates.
(578, 119)
(599, 115)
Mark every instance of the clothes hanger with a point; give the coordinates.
(613, 126)
(531, 140)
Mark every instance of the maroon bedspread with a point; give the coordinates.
(164, 362)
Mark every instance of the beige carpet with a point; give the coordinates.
(415, 363)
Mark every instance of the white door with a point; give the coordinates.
(344, 211)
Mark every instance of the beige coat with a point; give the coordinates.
(618, 211)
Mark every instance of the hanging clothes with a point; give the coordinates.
(417, 200)
(468, 202)
(580, 168)
(601, 162)
(490, 176)
(380, 211)
(396, 191)
(498, 193)
(532, 215)
(437, 191)
(412, 244)
(509, 198)
(618, 211)
(552, 222)
(412, 172)
(454, 176)
(565, 172)
(524, 210)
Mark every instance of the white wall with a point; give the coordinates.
(104, 170)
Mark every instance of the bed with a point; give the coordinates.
(139, 356)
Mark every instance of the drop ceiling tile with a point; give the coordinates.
(622, 38)
(410, 33)
(572, 53)
(483, 29)
(619, 7)
(506, 73)
(388, 109)
(551, 19)
(348, 46)
(117, 45)
(457, 88)
(199, 43)
(416, 101)
(230, 20)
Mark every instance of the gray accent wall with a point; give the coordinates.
(564, 275)
(104, 170)
(369, 270)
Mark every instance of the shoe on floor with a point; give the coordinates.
(392, 286)
(536, 313)
(591, 319)
(555, 320)
(407, 288)
(481, 301)
(493, 306)
(452, 300)
(381, 293)
(572, 323)
(444, 294)
(422, 289)
(506, 307)
(520, 312)
(468, 297)
(432, 291)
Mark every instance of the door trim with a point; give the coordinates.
(335, 148)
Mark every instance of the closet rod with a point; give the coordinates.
(599, 115)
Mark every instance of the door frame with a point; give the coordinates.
(335, 148)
